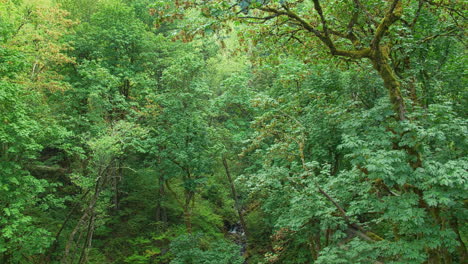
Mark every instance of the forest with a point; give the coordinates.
(233, 132)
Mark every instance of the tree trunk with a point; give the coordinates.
(115, 187)
(88, 240)
(381, 63)
(161, 214)
(188, 218)
(462, 247)
(235, 197)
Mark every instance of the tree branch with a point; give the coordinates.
(392, 15)
(355, 54)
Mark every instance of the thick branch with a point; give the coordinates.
(355, 54)
(392, 15)
(319, 10)
(306, 25)
(259, 18)
(234, 196)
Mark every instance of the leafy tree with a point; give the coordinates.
(216, 252)
(181, 136)
(222, 131)
(32, 46)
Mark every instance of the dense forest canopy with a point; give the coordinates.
(230, 132)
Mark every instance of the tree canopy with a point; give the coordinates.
(228, 132)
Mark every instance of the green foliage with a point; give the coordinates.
(25, 199)
(194, 249)
(139, 131)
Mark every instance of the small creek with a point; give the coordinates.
(237, 235)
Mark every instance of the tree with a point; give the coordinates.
(143, 131)
(181, 137)
(31, 47)
(352, 30)
(384, 35)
